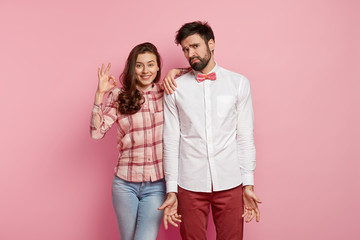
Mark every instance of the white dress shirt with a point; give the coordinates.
(208, 133)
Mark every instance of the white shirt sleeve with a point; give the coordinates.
(171, 142)
(245, 133)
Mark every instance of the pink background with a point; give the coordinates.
(301, 57)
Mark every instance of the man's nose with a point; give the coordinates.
(191, 53)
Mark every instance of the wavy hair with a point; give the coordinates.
(130, 98)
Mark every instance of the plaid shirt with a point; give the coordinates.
(139, 135)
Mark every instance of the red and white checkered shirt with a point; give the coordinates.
(139, 135)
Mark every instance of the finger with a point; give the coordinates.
(257, 215)
(248, 216)
(256, 199)
(113, 79)
(172, 222)
(252, 215)
(172, 83)
(102, 69)
(108, 68)
(245, 212)
(165, 88)
(168, 88)
(165, 222)
(164, 205)
(167, 203)
(175, 219)
(99, 73)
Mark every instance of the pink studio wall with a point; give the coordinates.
(302, 59)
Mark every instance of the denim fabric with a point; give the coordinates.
(136, 208)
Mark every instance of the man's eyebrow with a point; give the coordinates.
(191, 45)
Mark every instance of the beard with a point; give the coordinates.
(203, 62)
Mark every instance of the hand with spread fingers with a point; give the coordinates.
(106, 82)
(170, 214)
(169, 83)
(250, 204)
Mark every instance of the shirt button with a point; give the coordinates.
(149, 159)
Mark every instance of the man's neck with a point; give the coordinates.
(209, 67)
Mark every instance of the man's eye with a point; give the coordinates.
(196, 46)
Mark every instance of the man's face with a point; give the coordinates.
(196, 51)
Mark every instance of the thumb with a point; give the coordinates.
(164, 205)
(256, 199)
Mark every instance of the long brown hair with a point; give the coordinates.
(130, 98)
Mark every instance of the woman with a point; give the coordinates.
(138, 187)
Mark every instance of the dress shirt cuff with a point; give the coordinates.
(248, 179)
(171, 186)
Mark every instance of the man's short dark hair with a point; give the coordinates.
(198, 27)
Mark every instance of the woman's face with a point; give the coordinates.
(146, 69)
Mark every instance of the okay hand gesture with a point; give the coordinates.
(106, 82)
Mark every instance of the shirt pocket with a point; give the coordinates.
(225, 105)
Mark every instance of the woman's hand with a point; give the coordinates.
(106, 82)
(169, 83)
(250, 204)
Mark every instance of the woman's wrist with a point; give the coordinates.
(99, 96)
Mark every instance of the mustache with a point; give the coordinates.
(190, 59)
(194, 58)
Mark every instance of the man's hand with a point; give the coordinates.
(170, 210)
(250, 204)
(169, 83)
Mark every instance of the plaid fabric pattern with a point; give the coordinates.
(139, 136)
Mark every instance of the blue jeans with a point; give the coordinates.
(136, 208)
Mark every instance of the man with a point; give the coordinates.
(209, 152)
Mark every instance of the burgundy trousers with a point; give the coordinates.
(227, 207)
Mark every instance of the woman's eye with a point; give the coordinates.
(138, 65)
(151, 64)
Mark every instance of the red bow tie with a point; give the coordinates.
(201, 77)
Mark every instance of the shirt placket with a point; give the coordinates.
(209, 138)
(148, 138)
